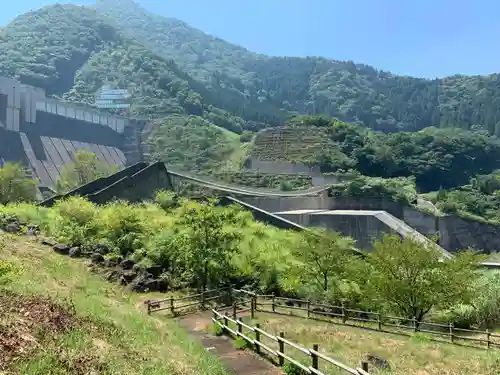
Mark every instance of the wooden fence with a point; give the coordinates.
(374, 321)
(188, 304)
(244, 331)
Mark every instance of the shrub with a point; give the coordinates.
(167, 199)
(487, 299)
(240, 343)
(7, 269)
(286, 186)
(85, 168)
(462, 316)
(401, 189)
(15, 185)
(217, 330)
(292, 369)
(163, 249)
(122, 227)
(74, 221)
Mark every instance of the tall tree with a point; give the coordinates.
(208, 241)
(323, 256)
(15, 185)
(85, 168)
(411, 279)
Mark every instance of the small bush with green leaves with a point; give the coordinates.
(74, 221)
(7, 269)
(240, 343)
(217, 329)
(292, 369)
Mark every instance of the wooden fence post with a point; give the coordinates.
(149, 308)
(240, 327)
(314, 357)
(415, 326)
(344, 316)
(252, 307)
(451, 332)
(488, 338)
(235, 306)
(364, 366)
(202, 300)
(379, 321)
(257, 338)
(172, 308)
(281, 344)
(308, 309)
(273, 304)
(226, 323)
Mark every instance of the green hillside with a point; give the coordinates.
(189, 143)
(172, 68)
(266, 88)
(72, 51)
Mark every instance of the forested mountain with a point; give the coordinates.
(172, 68)
(72, 51)
(352, 92)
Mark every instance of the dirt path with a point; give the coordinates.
(236, 362)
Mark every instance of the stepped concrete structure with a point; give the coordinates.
(44, 134)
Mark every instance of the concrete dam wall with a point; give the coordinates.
(44, 134)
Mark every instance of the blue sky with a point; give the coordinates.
(427, 38)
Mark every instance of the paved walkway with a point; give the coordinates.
(236, 362)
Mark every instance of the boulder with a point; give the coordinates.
(61, 248)
(75, 252)
(127, 264)
(143, 283)
(378, 361)
(137, 268)
(48, 242)
(154, 270)
(96, 258)
(113, 275)
(110, 263)
(101, 249)
(13, 227)
(127, 277)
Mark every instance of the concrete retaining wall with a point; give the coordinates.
(455, 233)
(136, 188)
(278, 204)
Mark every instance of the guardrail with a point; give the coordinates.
(314, 355)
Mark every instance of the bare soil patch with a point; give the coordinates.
(25, 320)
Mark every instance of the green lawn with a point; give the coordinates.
(109, 333)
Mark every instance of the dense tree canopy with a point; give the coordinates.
(266, 88)
(170, 67)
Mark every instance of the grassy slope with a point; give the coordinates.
(128, 341)
(407, 356)
(413, 355)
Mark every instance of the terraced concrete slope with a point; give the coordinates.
(53, 154)
(286, 144)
